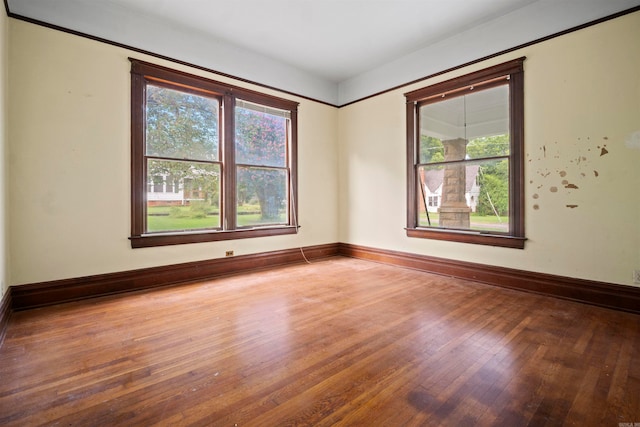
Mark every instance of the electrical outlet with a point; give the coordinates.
(636, 276)
(228, 253)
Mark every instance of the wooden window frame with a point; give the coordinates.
(143, 73)
(514, 72)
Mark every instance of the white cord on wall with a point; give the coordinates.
(295, 217)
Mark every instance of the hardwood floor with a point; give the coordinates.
(337, 342)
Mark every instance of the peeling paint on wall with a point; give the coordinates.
(576, 170)
(603, 151)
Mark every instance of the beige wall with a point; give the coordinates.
(69, 156)
(4, 67)
(70, 159)
(582, 92)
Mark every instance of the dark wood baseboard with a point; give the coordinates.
(59, 291)
(619, 297)
(5, 313)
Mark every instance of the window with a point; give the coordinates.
(465, 146)
(210, 161)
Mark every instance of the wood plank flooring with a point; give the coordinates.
(339, 342)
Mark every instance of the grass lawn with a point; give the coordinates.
(158, 218)
(167, 223)
(478, 222)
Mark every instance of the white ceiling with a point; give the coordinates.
(336, 51)
(334, 39)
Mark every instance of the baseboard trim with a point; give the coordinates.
(5, 314)
(618, 297)
(59, 291)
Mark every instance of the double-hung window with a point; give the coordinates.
(210, 161)
(465, 150)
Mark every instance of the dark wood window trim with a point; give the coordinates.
(143, 73)
(514, 72)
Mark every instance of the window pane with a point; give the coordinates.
(262, 196)
(181, 125)
(261, 138)
(183, 196)
(472, 126)
(431, 149)
(467, 195)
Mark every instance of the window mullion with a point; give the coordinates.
(292, 163)
(412, 150)
(250, 165)
(229, 166)
(470, 160)
(138, 162)
(516, 181)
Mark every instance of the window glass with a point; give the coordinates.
(481, 203)
(481, 118)
(261, 135)
(181, 125)
(186, 196)
(455, 132)
(262, 196)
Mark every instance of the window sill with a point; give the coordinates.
(468, 237)
(166, 239)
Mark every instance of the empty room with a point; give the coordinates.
(320, 213)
